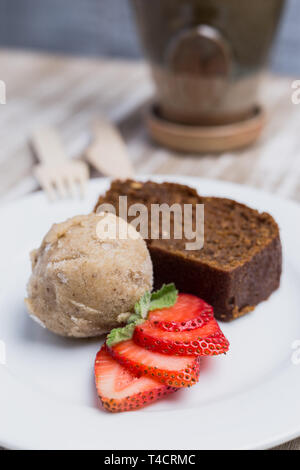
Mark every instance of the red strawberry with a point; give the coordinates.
(188, 313)
(120, 390)
(205, 341)
(173, 371)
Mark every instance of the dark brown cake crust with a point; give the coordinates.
(240, 263)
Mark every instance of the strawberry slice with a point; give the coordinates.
(120, 390)
(173, 371)
(205, 341)
(189, 312)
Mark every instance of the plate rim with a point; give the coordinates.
(193, 181)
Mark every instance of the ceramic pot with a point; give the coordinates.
(207, 56)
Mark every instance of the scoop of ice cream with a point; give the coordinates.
(87, 275)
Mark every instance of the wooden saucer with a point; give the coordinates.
(205, 139)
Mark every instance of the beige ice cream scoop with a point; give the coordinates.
(85, 277)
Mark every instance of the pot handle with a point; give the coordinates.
(201, 51)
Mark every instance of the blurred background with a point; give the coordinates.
(106, 27)
(67, 62)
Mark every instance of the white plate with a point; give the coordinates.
(247, 399)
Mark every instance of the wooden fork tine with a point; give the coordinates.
(82, 175)
(82, 183)
(61, 185)
(45, 183)
(71, 181)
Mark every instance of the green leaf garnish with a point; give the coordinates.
(141, 307)
(120, 334)
(163, 298)
(133, 318)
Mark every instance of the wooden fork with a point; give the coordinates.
(57, 175)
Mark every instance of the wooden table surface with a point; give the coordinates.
(70, 92)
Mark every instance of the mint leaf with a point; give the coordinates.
(120, 334)
(141, 307)
(133, 318)
(164, 298)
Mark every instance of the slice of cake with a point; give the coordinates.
(240, 262)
